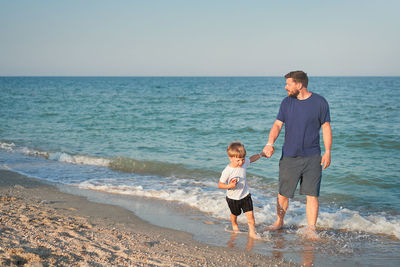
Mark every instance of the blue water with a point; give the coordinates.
(166, 138)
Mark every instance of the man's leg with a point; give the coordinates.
(289, 175)
(235, 226)
(312, 207)
(282, 204)
(312, 210)
(310, 186)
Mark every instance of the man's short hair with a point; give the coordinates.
(298, 76)
(236, 150)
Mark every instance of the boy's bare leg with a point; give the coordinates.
(312, 207)
(282, 204)
(251, 223)
(235, 226)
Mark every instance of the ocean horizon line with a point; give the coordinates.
(191, 76)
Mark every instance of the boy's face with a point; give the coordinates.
(236, 162)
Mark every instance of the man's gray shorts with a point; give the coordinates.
(307, 170)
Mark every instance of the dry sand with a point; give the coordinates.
(41, 226)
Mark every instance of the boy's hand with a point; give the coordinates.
(233, 183)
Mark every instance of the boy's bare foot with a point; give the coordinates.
(254, 236)
(274, 227)
(235, 229)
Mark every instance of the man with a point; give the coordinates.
(304, 113)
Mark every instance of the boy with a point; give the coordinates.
(233, 178)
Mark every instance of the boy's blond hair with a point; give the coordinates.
(236, 150)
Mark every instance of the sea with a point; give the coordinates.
(157, 146)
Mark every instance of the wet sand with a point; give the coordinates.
(41, 226)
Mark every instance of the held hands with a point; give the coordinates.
(256, 157)
(268, 150)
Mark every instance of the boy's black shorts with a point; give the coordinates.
(236, 206)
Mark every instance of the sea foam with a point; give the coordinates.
(210, 200)
(203, 194)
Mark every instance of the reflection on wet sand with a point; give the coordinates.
(307, 252)
(231, 242)
(281, 243)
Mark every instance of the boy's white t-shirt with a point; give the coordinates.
(241, 190)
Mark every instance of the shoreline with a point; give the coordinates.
(42, 226)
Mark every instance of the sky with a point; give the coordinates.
(199, 38)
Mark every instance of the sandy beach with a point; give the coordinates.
(41, 226)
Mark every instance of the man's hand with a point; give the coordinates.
(326, 160)
(268, 150)
(273, 134)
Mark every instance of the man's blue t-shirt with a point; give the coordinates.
(303, 120)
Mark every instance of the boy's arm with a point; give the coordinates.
(221, 185)
(224, 178)
(256, 157)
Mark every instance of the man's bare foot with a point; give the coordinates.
(274, 227)
(311, 233)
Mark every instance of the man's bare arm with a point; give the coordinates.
(273, 135)
(327, 137)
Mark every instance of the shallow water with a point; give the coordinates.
(343, 248)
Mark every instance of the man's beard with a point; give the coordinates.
(294, 94)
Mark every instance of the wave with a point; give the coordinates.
(247, 130)
(79, 159)
(11, 147)
(200, 195)
(158, 168)
(175, 182)
(119, 163)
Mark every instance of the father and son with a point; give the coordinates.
(303, 113)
